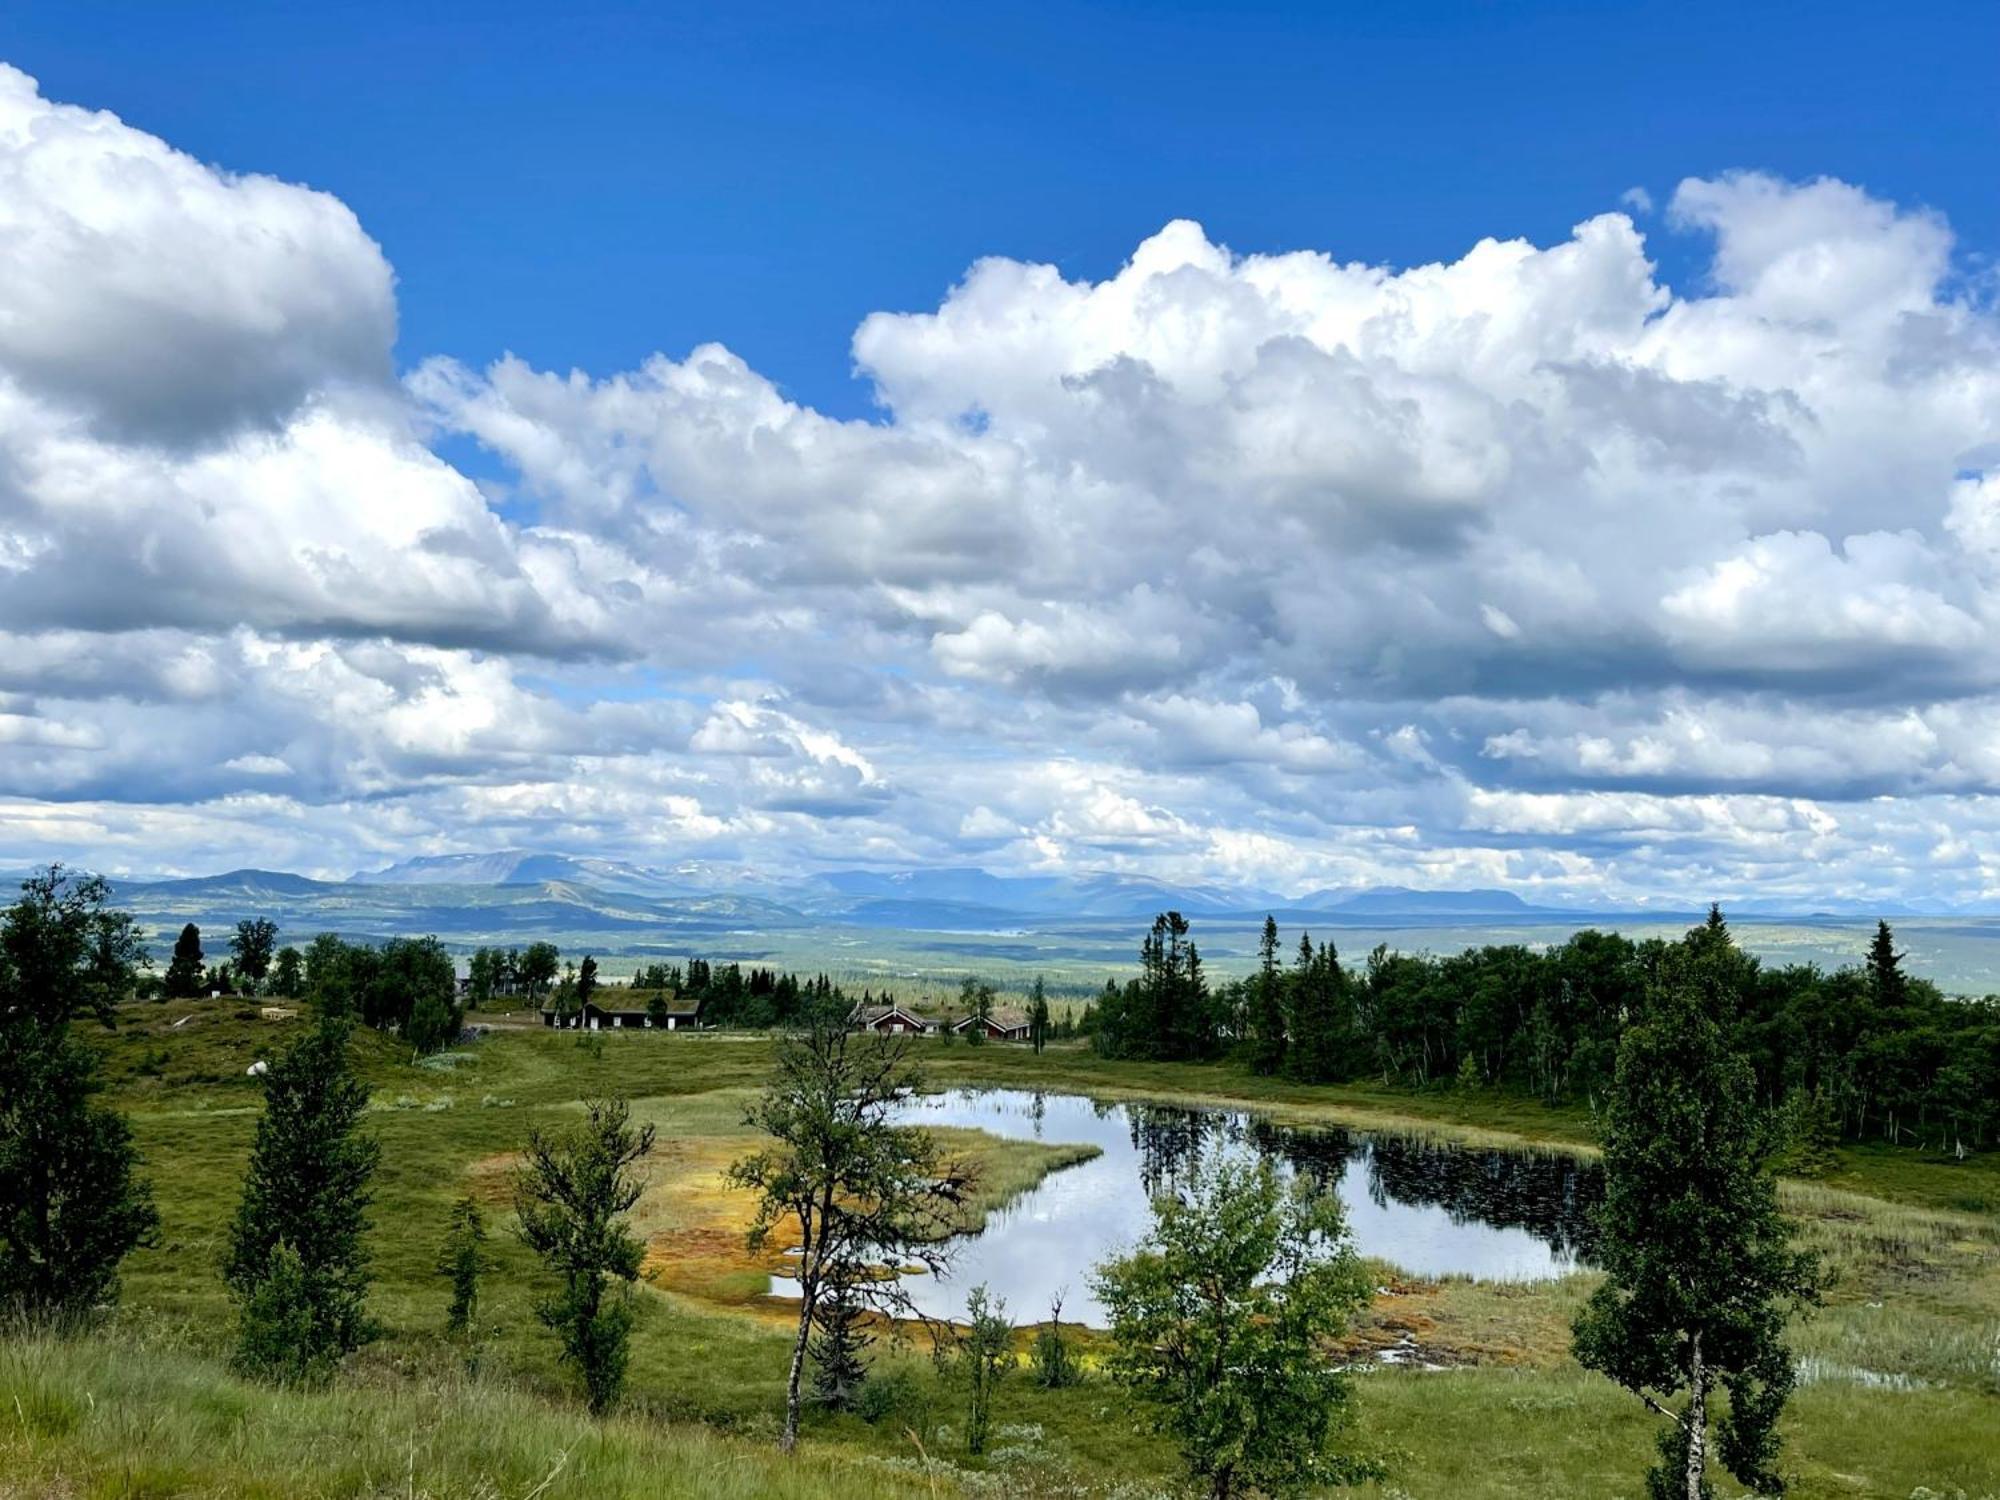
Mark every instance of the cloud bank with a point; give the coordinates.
(1272, 569)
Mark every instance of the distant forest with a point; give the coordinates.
(1865, 1052)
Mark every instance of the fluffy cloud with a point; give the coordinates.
(162, 299)
(1278, 569)
(200, 425)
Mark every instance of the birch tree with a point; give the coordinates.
(841, 1179)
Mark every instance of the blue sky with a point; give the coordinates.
(1287, 447)
(588, 183)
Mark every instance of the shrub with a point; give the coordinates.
(893, 1394)
(276, 1339)
(1055, 1363)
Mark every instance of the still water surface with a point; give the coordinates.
(1429, 1208)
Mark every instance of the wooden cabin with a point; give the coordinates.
(609, 1010)
(1001, 1026)
(889, 1019)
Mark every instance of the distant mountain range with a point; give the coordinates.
(952, 895)
(517, 896)
(1400, 901)
(521, 867)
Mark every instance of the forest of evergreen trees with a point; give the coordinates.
(733, 996)
(1865, 1052)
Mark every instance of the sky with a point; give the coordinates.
(1292, 447)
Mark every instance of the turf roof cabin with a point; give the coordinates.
(892, 1019)
(1001, 1025)
(628, 1015)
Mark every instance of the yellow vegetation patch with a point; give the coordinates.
(695, 1225)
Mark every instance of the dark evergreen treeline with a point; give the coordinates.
(1867, 1051)
(733, 996)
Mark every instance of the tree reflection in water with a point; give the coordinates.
(1425, 1206)
(1553, 1195)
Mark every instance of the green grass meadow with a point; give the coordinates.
(1901, 1396)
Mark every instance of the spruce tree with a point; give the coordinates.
(186, 977)
(461, 1260)
(840, 1339)
(306, 1197)
(1267, 1005)
(1700, 1273)
(71, 1202)
(1038, 1015)
(278, 1335)
(1319, 1014)
(1166, 1014)
(1888, 987)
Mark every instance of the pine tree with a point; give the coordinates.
(1267, 1005)
(1700, 1274)
(186, 976)
(306, 1193)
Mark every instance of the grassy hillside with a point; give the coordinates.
(1903, 1389)
(103, 1418)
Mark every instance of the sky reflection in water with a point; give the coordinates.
(1429, 1208)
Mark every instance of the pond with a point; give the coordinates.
(1428, 1207)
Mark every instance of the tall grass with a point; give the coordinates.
(88, 1417)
